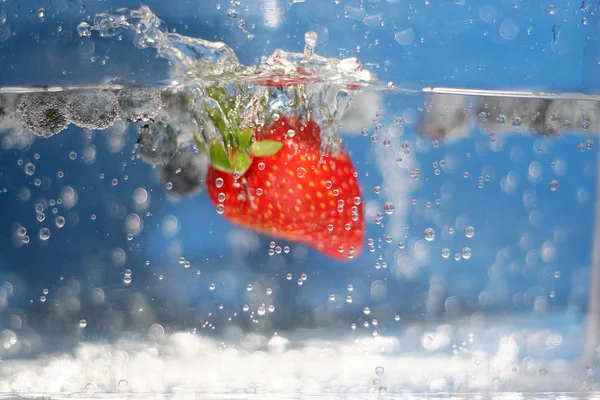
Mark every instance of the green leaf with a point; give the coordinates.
(266, 148)
(200, 144)
(244, 138)
(241, 162)
(219, 157)
(217, 118)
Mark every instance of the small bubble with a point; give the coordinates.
(469, 232)
(553, 185)
(21, 231)
(300, 172)
(29, 169)
(220, 208)
(366, 311)
(261, 310)
(82, 323)
(429, 234)
(552, 294)
(44, 234)
(60, 221)
(557, 274)
(25, 239)
(332, 297)
(589, 144)
(73, 155)
(388, 208)
(501, 119)
(122, 384)
(219, 182)
(401, 245)
(466, 253)
(379, 371)
(288, 277)
(397, 318)
(377, 189)
(212, 286)
(445, 252)
(249, 287)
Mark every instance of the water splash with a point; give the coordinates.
(302, 84)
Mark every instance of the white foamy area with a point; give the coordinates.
(477, 355)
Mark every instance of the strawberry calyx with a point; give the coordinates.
(239, 146)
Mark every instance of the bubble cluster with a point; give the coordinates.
(45, 114)
(93, 109)
(139, 104)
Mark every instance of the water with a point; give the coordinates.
(120, 276)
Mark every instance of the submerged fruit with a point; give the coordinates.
(296, 194)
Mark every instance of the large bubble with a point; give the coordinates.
(157, 143)
(45, 114)
(185, 173)
(139, 104)
(97, 109)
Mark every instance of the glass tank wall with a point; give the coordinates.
(323, 198)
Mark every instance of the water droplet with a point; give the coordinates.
(44, 234)
(553, 185)
(429, 234)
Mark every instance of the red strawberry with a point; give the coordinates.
(297, 193)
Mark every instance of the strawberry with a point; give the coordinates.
(284, 187)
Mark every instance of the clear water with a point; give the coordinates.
(479, 275)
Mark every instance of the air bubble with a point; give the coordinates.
(429, 234)
(44, 234)
(30, 169)
(466, 253)
(553, 185)
(469, 232)
(388, 208)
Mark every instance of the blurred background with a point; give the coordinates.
(480, 211)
